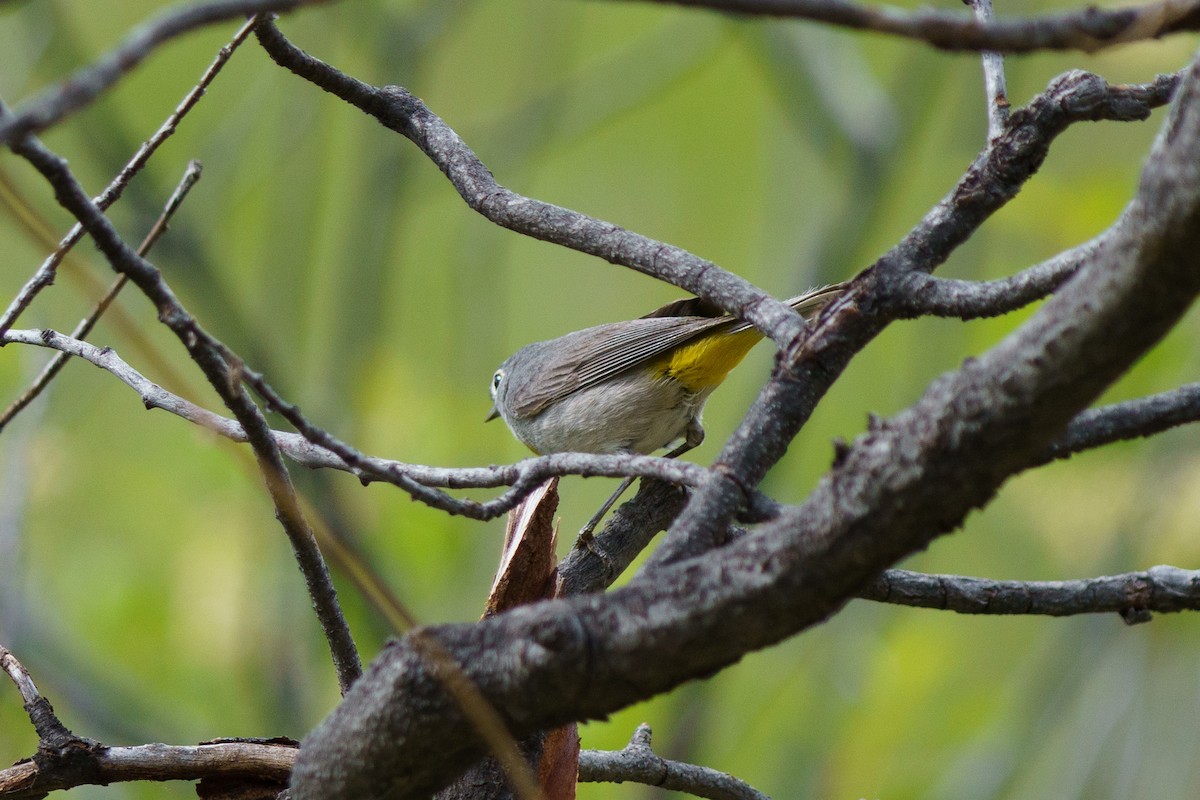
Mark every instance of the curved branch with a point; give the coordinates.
(638, 763)
(1089, 30)
(190, 176)
(522, 476)
(1134, 595)
(923, 294)
(81, 88)
(45, 273)
(398, 109)
(221, 369)
(809, 365)
(894, 490)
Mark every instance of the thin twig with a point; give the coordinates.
(45, 273)
(995, 90)
(1088, 29)
(52, 734)
(1134, 595)
(638, 763)
(1132, 419)
(922, 294)
(530, 471)
(88, 83)
(19, 676)
(190, 177)
(223, 374)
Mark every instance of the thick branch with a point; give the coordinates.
(891, 492)
(809, 365)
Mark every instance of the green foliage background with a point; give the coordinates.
(146, 585)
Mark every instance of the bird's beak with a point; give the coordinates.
(495, 412)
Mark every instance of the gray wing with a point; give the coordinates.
(554, 369)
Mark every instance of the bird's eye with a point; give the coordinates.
(499, 376)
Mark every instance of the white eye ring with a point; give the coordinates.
(499, 376)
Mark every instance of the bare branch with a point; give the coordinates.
(596, 561)
(638, 763)
(221, 369)
(398, 109)
(994, 86)
(190, 176)
(925, 294)
(80, 89)
(810, 364)
(530, 472)
(249, 761)
(258, 763)
(1089, 29)
(49, 728)
(890, 493)
(1134, 595)
(1132, 419)
(45, 273)
(57, 746)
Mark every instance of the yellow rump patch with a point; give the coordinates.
(704, 363)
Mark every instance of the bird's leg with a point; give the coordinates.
(692, 438)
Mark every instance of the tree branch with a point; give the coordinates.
(995, 90)
(596, 561)
(895, 489)
(638, 763)
(809, 364)
(221, 369)
(65, 760)
(1134, 595)
(398, 109)
(521, 476)
(55, 365)
(46, 272)
(81, 88)
(239, 762)
(924, 294)
(1132, 419)
(1089, 29)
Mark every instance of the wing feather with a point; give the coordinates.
(591, 356)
